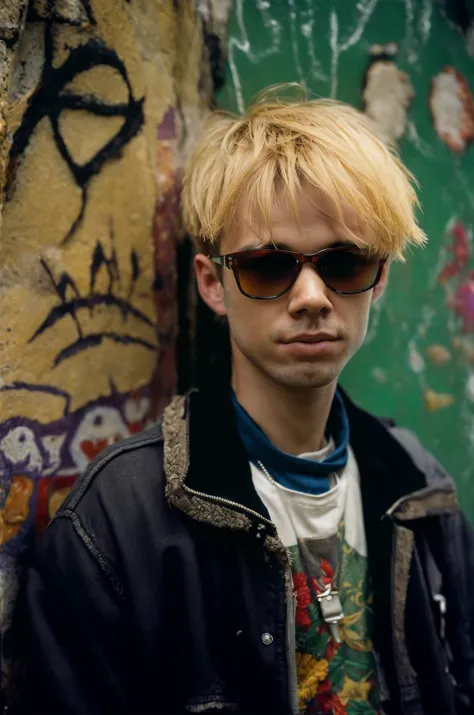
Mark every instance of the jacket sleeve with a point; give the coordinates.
(457, 540)
(466, 559)
(73, 631)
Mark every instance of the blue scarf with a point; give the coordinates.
(297, 473)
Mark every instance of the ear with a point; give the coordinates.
(381, 285)
(209, 286)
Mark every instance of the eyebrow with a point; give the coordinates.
(281, 246)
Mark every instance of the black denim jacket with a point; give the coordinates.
(162, 587)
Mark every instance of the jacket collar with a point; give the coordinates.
(206, 468)
(204, 453)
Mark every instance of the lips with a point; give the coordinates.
(312, 346)
(311, 338)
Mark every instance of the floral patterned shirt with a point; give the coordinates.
(325, 539)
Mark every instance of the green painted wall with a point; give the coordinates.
(326, 45)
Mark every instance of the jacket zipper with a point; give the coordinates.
(288, 583)
(291, 640)
(228, 502)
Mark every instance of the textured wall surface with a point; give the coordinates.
(99, 102)
(418, 362)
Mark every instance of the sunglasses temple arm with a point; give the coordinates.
(220, 260)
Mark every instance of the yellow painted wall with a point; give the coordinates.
(99, 103)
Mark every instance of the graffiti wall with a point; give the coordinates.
(409, 65)
(99, 103)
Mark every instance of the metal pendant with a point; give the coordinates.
(331, 611)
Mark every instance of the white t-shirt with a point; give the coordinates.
(325, 538)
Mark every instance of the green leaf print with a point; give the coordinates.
(350, 665)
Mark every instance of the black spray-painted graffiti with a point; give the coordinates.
(71, 301)
(72, 13)
(52, 98)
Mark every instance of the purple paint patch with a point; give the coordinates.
(458, 277)
(464, 305)
(167, 128)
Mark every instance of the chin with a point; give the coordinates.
(304, 376)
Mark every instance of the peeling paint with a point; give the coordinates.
(435, 401)
(387, 92)
(452, 108)
(465, 347)
(379, 375)
(469, 390)
(438, 355)
(415, 359)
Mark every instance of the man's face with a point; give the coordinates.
(276, 337)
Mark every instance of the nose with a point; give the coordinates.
(309, 294)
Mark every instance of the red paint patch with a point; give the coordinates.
(92, 448)
(463, 304)
(136, 427)
(460, 251)
(452, 108)
(46, 490)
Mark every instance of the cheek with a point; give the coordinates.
(356, 314)
(249, 320)
(352, 310)
(243, 315)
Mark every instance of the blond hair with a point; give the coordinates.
(287, 143)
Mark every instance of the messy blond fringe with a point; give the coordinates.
(281, 142)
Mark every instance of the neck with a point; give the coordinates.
(294, 419)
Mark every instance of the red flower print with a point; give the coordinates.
(337, 707)
(331, 649)
(326, 568)
(302, 618)
(326, 577)
(303, 595)
(303, 599)
(324, 697)
(327, 701)
(322, 628)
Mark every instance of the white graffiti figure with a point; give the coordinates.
(135, 410)
(100, 427)
(20, 448)
(53, 444)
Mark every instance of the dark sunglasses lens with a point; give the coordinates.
(350, 271)
(265, 274)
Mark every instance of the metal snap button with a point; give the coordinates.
(267, 639)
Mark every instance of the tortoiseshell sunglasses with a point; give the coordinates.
(269, 273)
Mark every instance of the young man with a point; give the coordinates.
(269, 547)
